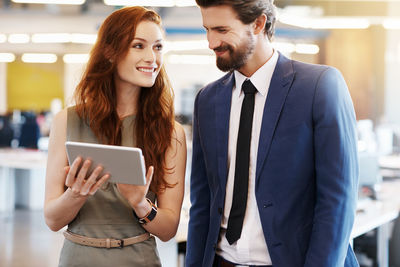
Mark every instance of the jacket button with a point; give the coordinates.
(267, 205)
(220, 210)
(215, 246)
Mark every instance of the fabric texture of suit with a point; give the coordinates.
(307, 168)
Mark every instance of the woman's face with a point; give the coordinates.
(143, 60)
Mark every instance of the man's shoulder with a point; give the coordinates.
(212, 86)
(314, 69)
(299, 66)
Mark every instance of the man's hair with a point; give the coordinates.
(248, 11)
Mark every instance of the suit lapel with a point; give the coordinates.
(222, 110)
(279, 88)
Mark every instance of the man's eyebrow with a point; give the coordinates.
(217, 27)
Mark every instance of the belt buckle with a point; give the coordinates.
(121, 243)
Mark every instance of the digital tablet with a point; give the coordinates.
(124, 164)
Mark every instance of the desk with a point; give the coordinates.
(24, 170)
(390, 162)
(377, 214)
(390, 166)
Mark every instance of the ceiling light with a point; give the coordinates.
(51, 38)
(39, 58)
(186, 45)
(185, 3)
(391, 24)
(59, 2)
(164, 3)
(288, 48)
(191, 59)
(81, 38)
(325, 22)
(3, 38)
(284, 47)
(311, 49)
(18, 38)
(340, 23)
(76, 58)
(7, 57)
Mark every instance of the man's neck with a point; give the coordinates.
(262, 53)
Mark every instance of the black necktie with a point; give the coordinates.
(241, 184)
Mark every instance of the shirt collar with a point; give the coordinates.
(260, 79)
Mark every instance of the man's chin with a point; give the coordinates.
(223, 65)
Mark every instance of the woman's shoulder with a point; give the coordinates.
(65, 113)
(179, 132)
(65, 116)
(61, 116)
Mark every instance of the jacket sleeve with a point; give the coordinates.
(336, 169)
(199, 197)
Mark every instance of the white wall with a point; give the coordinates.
(186, 76)
(392, 79)
(72, 76)
(392, 69)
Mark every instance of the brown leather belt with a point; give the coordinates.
(105, 242)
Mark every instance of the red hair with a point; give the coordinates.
(96, 100)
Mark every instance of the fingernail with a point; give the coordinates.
(92, 193)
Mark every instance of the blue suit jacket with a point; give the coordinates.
(307, 168)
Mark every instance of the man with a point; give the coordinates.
(274, 169)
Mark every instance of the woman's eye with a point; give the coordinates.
(137, 46)
(159, 47)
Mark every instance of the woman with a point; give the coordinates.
(124, 98)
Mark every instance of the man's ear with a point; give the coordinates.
(259, 23)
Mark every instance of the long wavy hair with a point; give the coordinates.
(96, 100)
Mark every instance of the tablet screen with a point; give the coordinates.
(124, 164)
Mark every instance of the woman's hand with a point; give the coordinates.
(76, 178)
(136, 194)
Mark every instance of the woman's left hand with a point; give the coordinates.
(136, 194)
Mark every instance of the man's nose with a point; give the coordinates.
(213, 41)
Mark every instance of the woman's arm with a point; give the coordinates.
(61, 206)
(165, 224)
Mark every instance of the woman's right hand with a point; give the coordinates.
(80, 182)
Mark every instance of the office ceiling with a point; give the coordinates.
(183, 23)
(331, 7)
(348, 7)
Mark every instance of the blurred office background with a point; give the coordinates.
(44, 46)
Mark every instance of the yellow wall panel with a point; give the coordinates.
(33, 86)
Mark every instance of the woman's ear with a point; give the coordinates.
(259, 24)
(108, 54)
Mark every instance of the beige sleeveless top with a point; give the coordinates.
(106, 214)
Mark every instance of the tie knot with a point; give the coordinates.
(248, 87)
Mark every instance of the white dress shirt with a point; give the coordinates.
(251, 248)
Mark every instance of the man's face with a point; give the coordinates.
(232, 41)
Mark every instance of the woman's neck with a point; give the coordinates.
(127, 101)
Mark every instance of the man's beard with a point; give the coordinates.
(236, 58)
